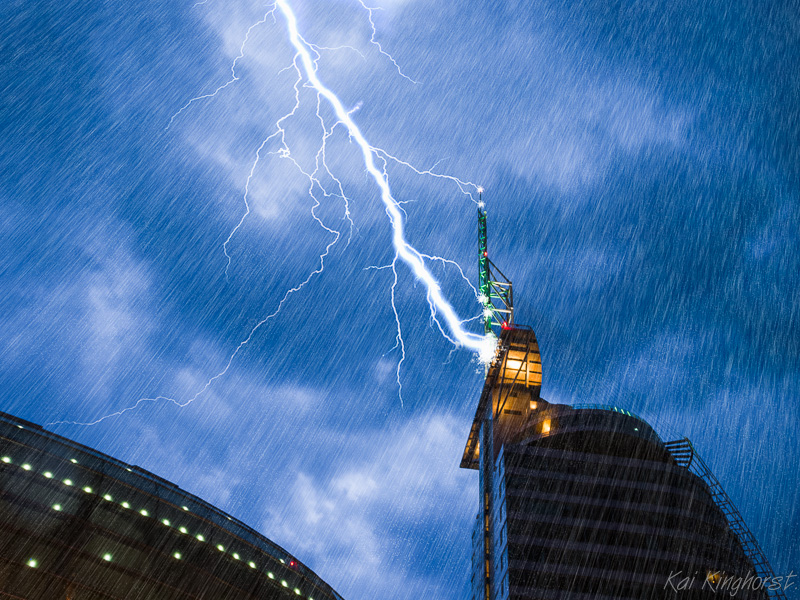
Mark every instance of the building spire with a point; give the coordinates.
(494, 287)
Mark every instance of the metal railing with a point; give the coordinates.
(685, 456)
(609, 407)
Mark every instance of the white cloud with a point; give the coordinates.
(352, 526)
(116, 302)
(356, 486)
(569, 140)
(93, 323)
(352, 504)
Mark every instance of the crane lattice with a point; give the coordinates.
(495, 289)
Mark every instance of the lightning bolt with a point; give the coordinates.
(246, 341)
(462, 185)
(405, 251)
(305, 64)
(234, 77)
(377, 44)
(399, 342)
(284, 152)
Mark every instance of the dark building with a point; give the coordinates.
(587, 501)
(77, 524)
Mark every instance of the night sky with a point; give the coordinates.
(642, 172)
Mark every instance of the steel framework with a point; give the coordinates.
(495, 289)
(685, 455)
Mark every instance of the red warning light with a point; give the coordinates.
(292, 564)
(485, 254)
(504, 325)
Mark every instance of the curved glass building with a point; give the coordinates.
(587, 502)
(76, 524)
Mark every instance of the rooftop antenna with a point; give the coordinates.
(494, 288)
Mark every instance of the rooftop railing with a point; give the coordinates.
(608, 407)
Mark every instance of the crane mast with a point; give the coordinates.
(495, 290)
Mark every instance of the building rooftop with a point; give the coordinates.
(133, 497)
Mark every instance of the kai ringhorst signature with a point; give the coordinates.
(719, 582)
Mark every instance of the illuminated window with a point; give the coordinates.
(283, 583)
(200, 537)
(57, 507)
(297, 591)
(270, 575)
(107, 557)
(546, 426)
(6, 460)
(252, 564)
(236, 556)
(144, 512)
(32, 563)
(87, 489)
(68, 482)
(73, 461)
(108, 497)
(125, 505)
(165, 522)
(177, 555)
(183, 530)
(48, 474)
(185, 507)
(27, 467)
(513, 365)
(220, 547)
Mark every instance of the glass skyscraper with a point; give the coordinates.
(580, 502)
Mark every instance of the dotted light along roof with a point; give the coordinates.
(148, 497)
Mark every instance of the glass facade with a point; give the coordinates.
(597, 508)
(587, 502)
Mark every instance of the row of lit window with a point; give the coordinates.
(34, 563)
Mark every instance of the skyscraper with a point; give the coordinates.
(76, 524)
(588, 501)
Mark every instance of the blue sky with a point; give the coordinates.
(640, 164)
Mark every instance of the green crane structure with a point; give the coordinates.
(495, 289)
